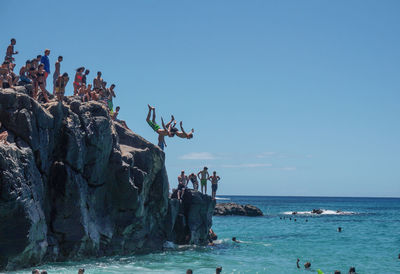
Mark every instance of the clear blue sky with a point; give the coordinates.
(286, 97)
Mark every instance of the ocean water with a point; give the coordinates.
(369, 241)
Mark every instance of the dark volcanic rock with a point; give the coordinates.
(236, 209)
(74, 184)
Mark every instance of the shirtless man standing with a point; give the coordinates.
(10, 51)
(182, 184)
(214, 183)
(193, 178)
(56, 73)
(203, 179)
(161, 132)
(97, 82)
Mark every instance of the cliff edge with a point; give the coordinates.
(75, 184)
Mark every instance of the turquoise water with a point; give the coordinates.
(370, 241)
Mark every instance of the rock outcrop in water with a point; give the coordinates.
(75, 184)
(223, 209)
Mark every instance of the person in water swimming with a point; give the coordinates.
(218, 270)
(352, 270)
(339, 229)
(189, 271)
(297, 263)
(235, 240)
(161, 132)
(78, 79)
(307, 265)
(203, 176)
(214, 184)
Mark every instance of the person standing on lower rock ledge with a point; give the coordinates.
(203, 179)
(214, 184)
(193, 178)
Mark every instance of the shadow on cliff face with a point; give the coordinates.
(75, 184)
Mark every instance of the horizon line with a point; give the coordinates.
(300, 196)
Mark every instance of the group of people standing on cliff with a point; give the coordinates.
(203, 176)
(36, 71)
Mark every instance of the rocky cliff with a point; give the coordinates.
(75, 184)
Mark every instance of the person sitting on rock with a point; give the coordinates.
(114, 118)
(203, 179)
(183, 134)
(14, 77)
(87, 97)
(214, 183)
(78, 79)
(24, 72)
(5, 76)
(40, 83)
(10, 51)
(182, 183)
(3, 136)
(61, 83)
(193, 178)
(161, 132)
(82, 91)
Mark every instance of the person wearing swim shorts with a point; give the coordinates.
(56, 73)
(193, 178)
(203, 176)
(182, 184)
(10, 51)
(161, 132)
(214, 183)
